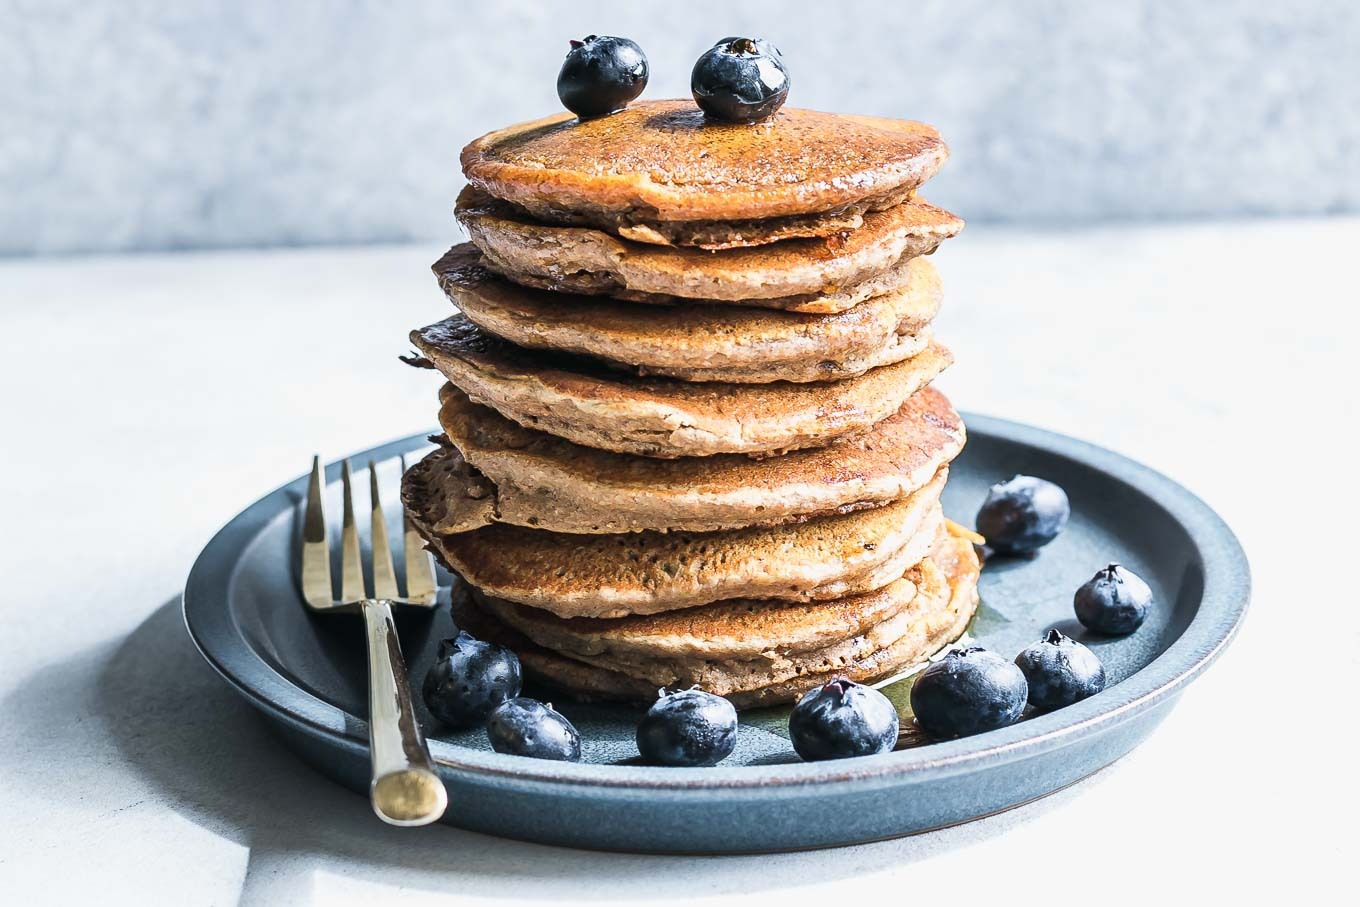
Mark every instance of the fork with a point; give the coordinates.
(404, 789)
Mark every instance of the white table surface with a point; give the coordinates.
(147, 399)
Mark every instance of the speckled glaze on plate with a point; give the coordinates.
(307, 675)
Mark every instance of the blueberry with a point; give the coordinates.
(601, 75)
(527, 727)
(690, 727)
(469, 679)
(740, 80)
(1023, 515)
(967, 692)
(843, 719)
(1114, 601)
(1060, 671)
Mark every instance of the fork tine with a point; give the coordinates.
(384, 574)
(421, 587)
(351, 563)
(316, 554)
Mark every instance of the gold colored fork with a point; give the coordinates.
(405, 789)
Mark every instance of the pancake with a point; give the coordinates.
(713, 343)
(660, 171)
(649, 572)
(732, 630)
(722, 234)
(663, 417)
(933, 622)
(826, 300)
(591, 261)
(932, 633)
(725, 676)
(498, 471)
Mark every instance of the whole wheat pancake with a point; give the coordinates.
(734, 630)
(649, 572)
(724, 676)
(586, 260)
(499, 471)
(663, 417)
(710, 343)
(933, 621)
(660, 171)
(936, 630)
(827, 300)
(720, 234)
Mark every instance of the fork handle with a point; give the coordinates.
(405, 789)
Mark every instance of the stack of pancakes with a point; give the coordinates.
(689, 433)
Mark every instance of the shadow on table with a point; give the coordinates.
(208, 755)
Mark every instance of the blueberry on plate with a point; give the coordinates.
(1060, 671)
(740, 80)
(468, 679)
(1115, 601)
(601, 75)
(843, 719)
(527, 727)
(1023, 515)
(688, 728)
(967, 692)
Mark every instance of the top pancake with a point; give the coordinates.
(665, 161)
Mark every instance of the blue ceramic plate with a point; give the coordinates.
(306, 673)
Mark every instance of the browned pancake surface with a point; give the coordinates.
(824, 300)
(530, 478)
(661, 417)
(709, 343)
(665, 161)
(935, 621)
(650, 572)
(586, 260)
(731, 630)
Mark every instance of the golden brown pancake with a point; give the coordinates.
(826, 300)
(659, 171)
(591, 261)
(740, 629)
(709, 343)
(649, 572)
(529, 478)
(725, 234)
(778, 665)
(930, 622)
(662, 417)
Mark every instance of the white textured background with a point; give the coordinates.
(140, 125)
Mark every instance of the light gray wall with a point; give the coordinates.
(141, 125)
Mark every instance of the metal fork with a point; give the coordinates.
(405, 789)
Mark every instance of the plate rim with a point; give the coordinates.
(1223, 606)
